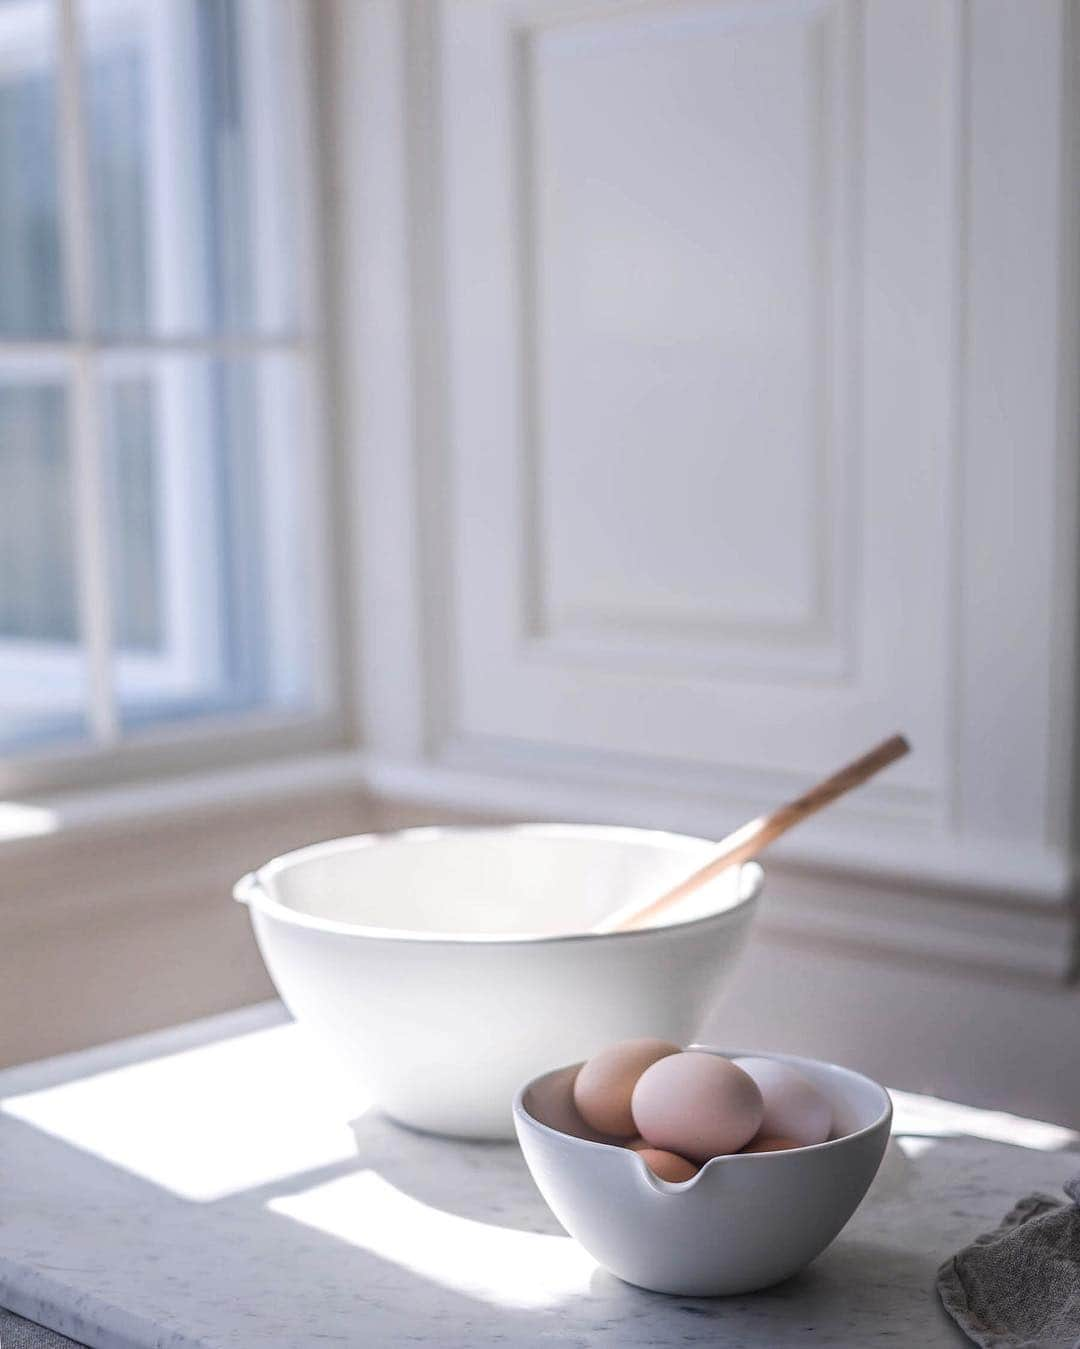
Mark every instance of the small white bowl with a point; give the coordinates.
(443, 967)
(742, 1223)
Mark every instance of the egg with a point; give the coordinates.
(604, 1083)
(696, 1105)
(794, 1107)
(667, 1165)
(765, 1144)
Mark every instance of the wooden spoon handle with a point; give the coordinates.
(749, 840)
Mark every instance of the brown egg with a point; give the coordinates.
(604, 1084)
(667, 1165)
(771, 1145)
(636, 1144)
(697, 1105)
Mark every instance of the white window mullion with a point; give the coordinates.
(299, 73)
(91, 548)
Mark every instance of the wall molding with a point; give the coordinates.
(960, 541)
(984, 909)
(990, 875)
(488, 672)
(820, 643)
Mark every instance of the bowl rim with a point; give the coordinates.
(884, 1117)
(251, 889)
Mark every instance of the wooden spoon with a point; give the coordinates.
(749, 840)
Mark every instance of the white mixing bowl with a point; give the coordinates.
(444, 967)
(742, 1223)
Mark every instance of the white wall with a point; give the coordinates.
(712, 378)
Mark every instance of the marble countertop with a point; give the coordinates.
(195, 1188)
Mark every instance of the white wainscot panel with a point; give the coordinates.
(697, 529)
(680, 217)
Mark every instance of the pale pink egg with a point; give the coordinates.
(794, 1107)
(696, 1105)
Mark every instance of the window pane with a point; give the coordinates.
(31, 291)
(190, 162)
(207, 526)
(42, 671)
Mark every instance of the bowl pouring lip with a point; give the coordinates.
(251, 889)
(883, 1118)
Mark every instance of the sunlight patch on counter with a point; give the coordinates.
(498, 1265)
(206, 1122)
(929, 1117)
(19, 820)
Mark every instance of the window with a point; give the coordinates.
(159, 464)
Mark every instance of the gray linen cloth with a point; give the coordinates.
(1018, 1287)
(15, 1333)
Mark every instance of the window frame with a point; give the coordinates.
(83, 356)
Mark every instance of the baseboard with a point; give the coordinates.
(990, 906)
(122, 922)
